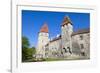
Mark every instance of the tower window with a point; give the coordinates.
(82, 50)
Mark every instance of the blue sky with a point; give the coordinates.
(32, 21)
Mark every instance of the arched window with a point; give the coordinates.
(65, 49)
(69, 50)
(83, 53)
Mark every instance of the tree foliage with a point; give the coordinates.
(25, 42)
(27, 53)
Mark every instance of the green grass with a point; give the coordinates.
(53, 59)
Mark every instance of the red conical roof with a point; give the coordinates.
(66, 20)
(44, 28)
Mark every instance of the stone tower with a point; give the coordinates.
(66, 31)
(43, 39)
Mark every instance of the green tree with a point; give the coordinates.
(27, 53)
(25, 46)
(25, 42)
(34, 50)
(31, 54)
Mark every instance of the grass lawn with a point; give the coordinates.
(53, 59)
(57, 59)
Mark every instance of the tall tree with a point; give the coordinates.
(25, 42)
(27, 53)
(25, 46)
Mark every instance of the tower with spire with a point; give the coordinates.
(66, 32)
(43, 39)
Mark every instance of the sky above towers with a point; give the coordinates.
(32, 21)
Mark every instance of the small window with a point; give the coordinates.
(82, 46)
(46, 49)
(83, 53)
(81, 37)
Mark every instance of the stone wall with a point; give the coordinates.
(81, 44)
(43, 39)
(54, 48)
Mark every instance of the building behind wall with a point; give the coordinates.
(67, 44)
(81, 42)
